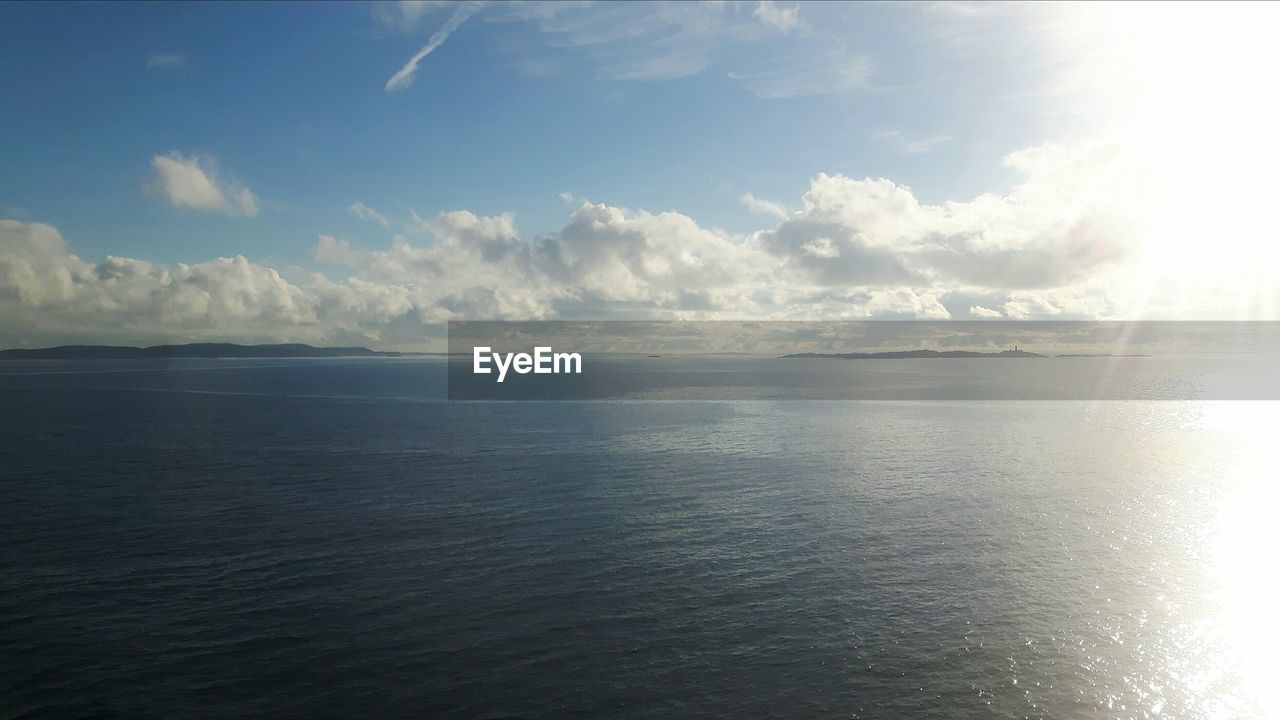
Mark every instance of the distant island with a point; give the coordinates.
(910, 354)
(1102, 355)
(192, 350)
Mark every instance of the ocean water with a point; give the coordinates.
(331, 538)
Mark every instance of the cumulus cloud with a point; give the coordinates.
(48, 294)
(1053, 246)
(195, 182)
(44, 288)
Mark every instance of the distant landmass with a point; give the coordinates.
(905, 354)
(298, 350)
(1102, 355)
(192, 350)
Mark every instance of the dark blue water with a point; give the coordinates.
(328, 539)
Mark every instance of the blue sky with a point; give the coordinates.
(290, 99)
(528, 111)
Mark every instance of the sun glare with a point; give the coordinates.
(1242, 551)
(1189, 90)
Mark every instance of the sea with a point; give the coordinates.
(335, 538)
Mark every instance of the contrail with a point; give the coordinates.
(404, 78)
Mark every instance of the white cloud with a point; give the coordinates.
(405, 15)
(913, 146)
(364, 212)
(668, 40)
(640, 41)
(1059, 244)
(166, 60)
(820, 248)
(809, 77)
(35, 267)
(1064, 223)
(332, 250)
(760, 206)
(47, 291)
(1027, 305)
(404, 76)
(653, 41)
(195, 182)
(777, 16)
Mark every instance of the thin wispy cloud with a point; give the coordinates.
(655, 41)
(777, 16)
(364, 212)
(810, 78)
(537, 67)
(405, 15)
(405, 76)
(913, 146)
(663, 41)
(166, 61)
(195, 182)
(760, 206)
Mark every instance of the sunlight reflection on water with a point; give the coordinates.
(1243, 553)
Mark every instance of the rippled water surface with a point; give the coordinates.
(328, 538)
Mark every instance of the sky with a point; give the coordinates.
(363, 173)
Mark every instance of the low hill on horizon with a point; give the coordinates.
(900, 354)
(189, 350)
